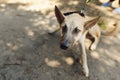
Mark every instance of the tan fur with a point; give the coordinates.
(77, 27)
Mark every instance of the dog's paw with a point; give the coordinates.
(86, 74)
(86, 71)
(92, 47)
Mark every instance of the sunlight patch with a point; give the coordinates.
(52, 63)
(69, 60)
(95, 55)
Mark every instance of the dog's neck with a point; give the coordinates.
(78, 12)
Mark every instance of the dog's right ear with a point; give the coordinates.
(91, 23)
(59, 15)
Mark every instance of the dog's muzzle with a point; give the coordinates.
(64, 45)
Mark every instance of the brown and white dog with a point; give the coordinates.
(75, 29)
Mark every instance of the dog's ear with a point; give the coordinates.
(59, 15)
(91, 23)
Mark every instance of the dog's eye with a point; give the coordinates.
(76, 30)
(64, 29)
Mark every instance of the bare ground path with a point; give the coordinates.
(27, 52)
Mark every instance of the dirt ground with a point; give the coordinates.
(27, 52)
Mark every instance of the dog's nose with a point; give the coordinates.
(63, 46)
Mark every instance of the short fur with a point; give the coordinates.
(75, 29)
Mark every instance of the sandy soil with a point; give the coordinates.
(27, 52)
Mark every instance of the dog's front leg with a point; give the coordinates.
(84, 56)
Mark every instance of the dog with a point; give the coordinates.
(75, 28)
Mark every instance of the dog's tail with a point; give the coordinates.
(111, 31)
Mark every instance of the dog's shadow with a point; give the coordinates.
(47, 47)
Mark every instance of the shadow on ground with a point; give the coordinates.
(27, 52)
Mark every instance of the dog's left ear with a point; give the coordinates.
(91, 23)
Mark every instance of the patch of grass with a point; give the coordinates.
(102, 25)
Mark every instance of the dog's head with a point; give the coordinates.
(73, 26)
